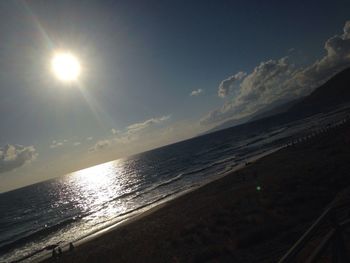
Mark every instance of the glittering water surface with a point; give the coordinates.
(76, 205)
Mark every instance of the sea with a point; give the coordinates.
(79, 205)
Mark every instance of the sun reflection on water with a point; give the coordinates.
(97, 188)
(97, 176)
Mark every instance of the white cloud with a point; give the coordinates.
(196, 92)
(336, 59)
(264, 85)
(140, 126)
(279, 80)
(228, 85)
(115, 131)
(145, 130)
(15, 156)
(76, 143)
(100, 145)
(89, 138)
(56, 144)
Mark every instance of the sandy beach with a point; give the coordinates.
(251, 215)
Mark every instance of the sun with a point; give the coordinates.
(65, 66)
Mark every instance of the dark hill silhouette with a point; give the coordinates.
(280, 108)
(274, 109)
(331, 94)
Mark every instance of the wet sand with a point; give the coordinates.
(251, 215)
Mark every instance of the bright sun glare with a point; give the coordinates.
(65, 66)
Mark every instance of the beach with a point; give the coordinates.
(254, 214)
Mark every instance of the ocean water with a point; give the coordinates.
(77, 205)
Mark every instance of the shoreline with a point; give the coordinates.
(213, 199)
(149, 209)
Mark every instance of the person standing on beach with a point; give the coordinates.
(59, 251)
(54, 253)
(71, 246)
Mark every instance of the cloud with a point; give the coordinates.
(56, 144)
(115, 132)
(76, 143)
(100, 145)
(196, 92)
(131, 133)
(336, 59)
(15, 156)
(265, 84)
(227, 85)
(89, 138)
(137, 127)
(275, 81)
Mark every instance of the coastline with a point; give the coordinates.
(223, 218)
(149, 209)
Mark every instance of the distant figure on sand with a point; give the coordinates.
(54, 253)
(71, 246)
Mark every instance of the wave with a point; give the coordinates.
(134, 193)
(163, 183)
(181, 175)
(211, 165)
(36, 234)
(139, 192)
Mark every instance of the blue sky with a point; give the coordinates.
(141, 62)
